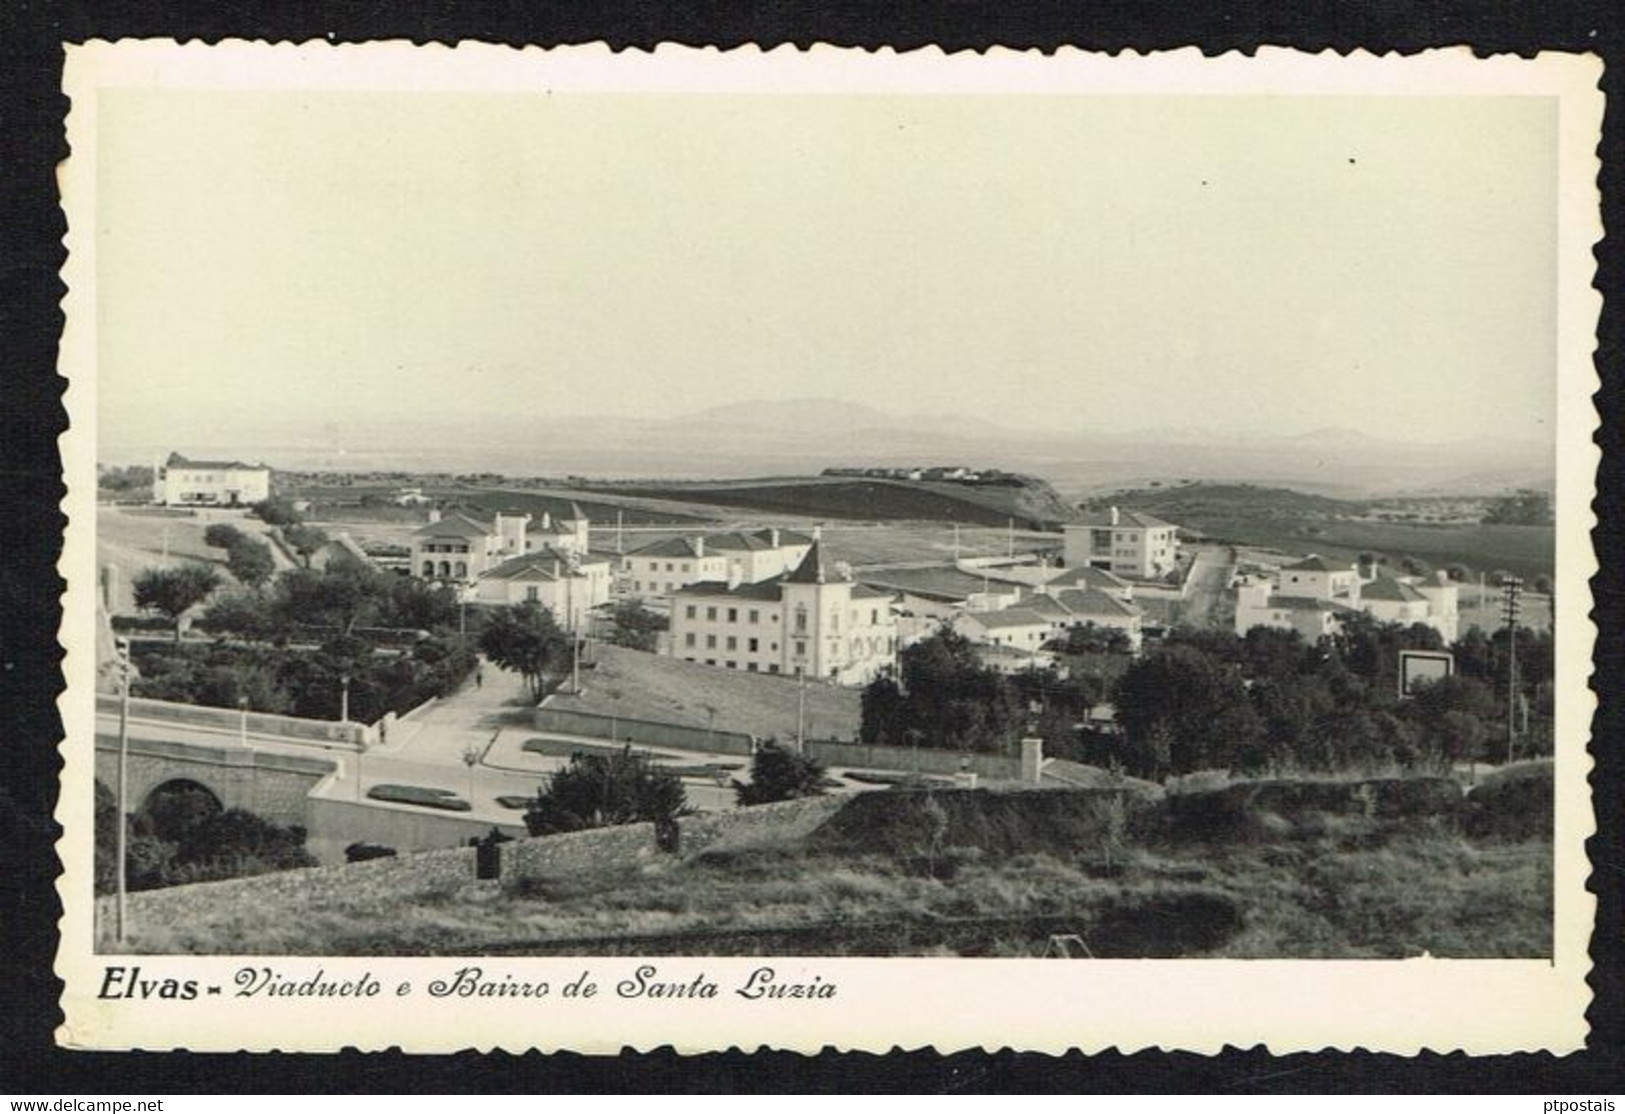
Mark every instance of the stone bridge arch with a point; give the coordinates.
(272, 786)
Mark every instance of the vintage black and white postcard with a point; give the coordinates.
(576, 550)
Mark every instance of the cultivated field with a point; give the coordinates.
(633, 685)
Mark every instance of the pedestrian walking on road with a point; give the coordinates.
(479, 677)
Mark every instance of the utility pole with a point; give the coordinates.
(344, 698)
(801, 710)
(1512, 591)
(1010, 549)
(123, 645)
(620, 543)
(956, 543)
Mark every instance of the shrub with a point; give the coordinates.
(780, 774)
(597, 791)
(359, 852)
(443, 799)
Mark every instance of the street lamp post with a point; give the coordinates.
(344, 698)
(123, 645)
(242, 720)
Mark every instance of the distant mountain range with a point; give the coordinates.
(804, 436)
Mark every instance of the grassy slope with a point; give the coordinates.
(1344, 890)
(833, 497)
(1294, 522)
(649, 686)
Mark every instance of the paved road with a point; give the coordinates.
(1210, 574)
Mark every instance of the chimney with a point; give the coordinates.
(547, 520)
(555, 568)
(434, 514)
(773, 536)
(699, 546)
(818, 533)
(1114, 516)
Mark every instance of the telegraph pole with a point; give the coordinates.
(1512, 591)
(801, 711)
(123, 645)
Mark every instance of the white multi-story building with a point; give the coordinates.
(1314, 595)
(1127, 543)
(568, 584)
(804, 622)
(458, 549)
(179, 482)
(663, 567)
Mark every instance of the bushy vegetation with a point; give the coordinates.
(1268, 702)
(636, 627)
(525, 639)
(183, 836)
(174, 592)
(443, 799)
(1271, 702)
(599, 791)
(778, 773)
(295, 682)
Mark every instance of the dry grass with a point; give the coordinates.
(1349, 890)
(634, 685)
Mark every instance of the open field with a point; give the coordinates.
(1255, 870)
(634, 685)
(1528, 551)
(843, 497)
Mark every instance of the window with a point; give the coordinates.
(750, 667)
(801, 619)
(685, 566)
(801, 648)
(532, 592)
(773, 668)
(710, 661)
(711, 614)
(753, 646)
(733, 643)
(670, 567)
(710, 642)
(733, 665)
(755, 615)
(874, 615)
(688, 640)
(1100, 539)
(688, 612)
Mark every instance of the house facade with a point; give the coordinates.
(179, 482)
(1314, 595)
(567, 584)
(804, 622)
(664, 567)
(1128, 543)
(459, 549)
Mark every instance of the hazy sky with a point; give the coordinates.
(1282, 264)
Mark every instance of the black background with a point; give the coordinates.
(32, 109)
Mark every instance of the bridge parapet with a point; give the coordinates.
(356, 735)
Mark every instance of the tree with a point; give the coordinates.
(524, 639)
(636, 627)
(174, 592)
(953, 701)
(780, 774)
(276, 512)
(1092, 639)
(221, 535)
(599, 791)
(250, 561)
(1183, 702)
(307, 541)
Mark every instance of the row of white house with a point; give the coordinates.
(1314, 595)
